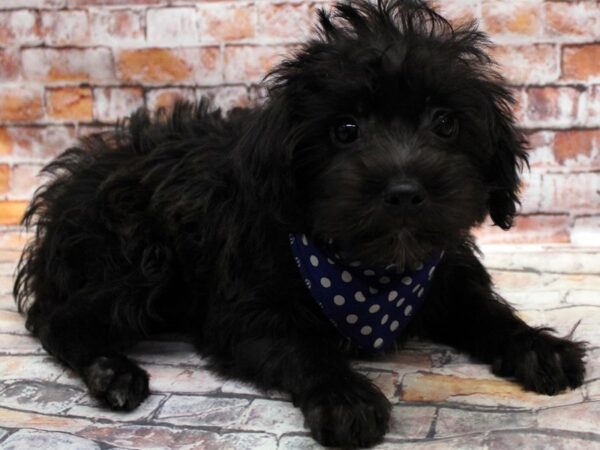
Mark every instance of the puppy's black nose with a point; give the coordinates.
(405, 194)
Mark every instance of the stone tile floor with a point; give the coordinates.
(441, 398)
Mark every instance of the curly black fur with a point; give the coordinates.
(180, 221)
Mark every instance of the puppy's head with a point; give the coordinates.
(400, 131)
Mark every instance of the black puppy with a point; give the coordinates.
(355, 186)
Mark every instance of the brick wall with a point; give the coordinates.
(70, 67)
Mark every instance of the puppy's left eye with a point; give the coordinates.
(345, 131)
(445, 124)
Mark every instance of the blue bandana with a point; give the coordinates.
(369, 305)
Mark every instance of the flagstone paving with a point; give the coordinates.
(441, 398)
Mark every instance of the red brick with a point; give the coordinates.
(24, 180)
(527, 229)
(9, 65)
(11, 212)
(246, 64)
(571, 192)
(155, 65)
(116, 27)
(226, 21)
(84, 130)
(209, 68)
(511, 18)
(581, 62)
(33, 3)
(537, 63)
(586, 231)
(572, 19)
(227, 97)
(77, 65)
(541, 152)
(4, 177)
(6, 142)
(70, 104)
(457, 12)
(553, 106)
(166, 98)
(111, 104)
(578, 147)
(40, 143)
(519, 107)
(531, 191)
(15, 240)
(284, 21)
(171, 26)
(20, 105)
(19, 27)
(65, 27)
(593, 106)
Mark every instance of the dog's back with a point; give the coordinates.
(112, 209)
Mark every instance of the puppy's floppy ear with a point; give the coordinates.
(509, 157)
(265, 152)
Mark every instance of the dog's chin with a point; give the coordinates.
(400, 248)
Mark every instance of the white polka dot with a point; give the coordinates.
(394, 325)
(355, 264)
(369, 272)
(366, 330)
(352, 319)
(339, 300)
(373, 290)
(416, 288)
(431, 272)
(421, 291)
(378, 343)
(374, 308)
(346, 276)
(308, 283)
(325, 282)
(384, 280)
(385, 319)
(406, 281)
(408, 310)
(304, 239)
(399, 304)
(359, 296)
(292, 239)
(330, 261)
(419, 266)
(393, 295)
(314, 260)
(390, 267)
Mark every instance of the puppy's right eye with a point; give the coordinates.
(345, 131)
(445, 124)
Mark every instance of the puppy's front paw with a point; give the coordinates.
(542, 362)
(347, 414)
(117, 381)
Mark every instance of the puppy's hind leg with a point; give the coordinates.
(81, 336)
